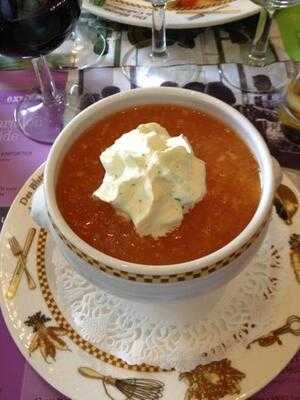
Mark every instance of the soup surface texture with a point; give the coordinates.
(233, 188)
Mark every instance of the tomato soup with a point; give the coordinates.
(233, 188)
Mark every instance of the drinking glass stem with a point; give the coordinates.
(45, 79)
(159, 41)
(258, 52)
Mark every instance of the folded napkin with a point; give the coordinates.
(289, 25)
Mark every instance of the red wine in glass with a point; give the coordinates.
(31, 29)
(35, 27)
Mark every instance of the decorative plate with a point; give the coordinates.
(181, 14)
(80, 370)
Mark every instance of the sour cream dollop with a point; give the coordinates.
(152, 178)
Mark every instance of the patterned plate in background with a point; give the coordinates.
(181, 14)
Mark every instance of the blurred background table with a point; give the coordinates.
(19, 156)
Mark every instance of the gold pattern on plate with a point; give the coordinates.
(20, 267)
(18, 252)
(292, 326)
(286, 203)
(213, 381)
(46, 339)
(295, 254)
(132, 388)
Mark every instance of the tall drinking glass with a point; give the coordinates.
(289, 111)
(82, 49)
(159, 60)
(32, 29)
(267, 75)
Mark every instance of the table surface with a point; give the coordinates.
(19, 157)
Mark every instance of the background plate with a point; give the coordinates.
(138, 12)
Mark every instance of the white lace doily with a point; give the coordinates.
(184, 333)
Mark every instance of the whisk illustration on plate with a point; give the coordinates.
(132, 388)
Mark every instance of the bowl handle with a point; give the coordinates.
(277, 173)
(39, 209)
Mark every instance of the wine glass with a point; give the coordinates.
(255, 60)
(32, 29)
(156, 62)
(82, 49)
(289, 111)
